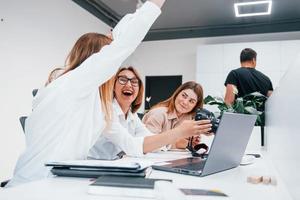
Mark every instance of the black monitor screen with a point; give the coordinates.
(160, 88)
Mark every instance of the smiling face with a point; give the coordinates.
(126, 89)
(185, 101)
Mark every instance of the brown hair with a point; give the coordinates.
(107, 94)
(170, 102)
(84, 47)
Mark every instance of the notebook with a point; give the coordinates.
(96, 168)
(88, 173)
(124, 186)
(226, 152)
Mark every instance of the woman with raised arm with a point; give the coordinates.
(69, 114)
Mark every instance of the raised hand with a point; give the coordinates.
(159, 3)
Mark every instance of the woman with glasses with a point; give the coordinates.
(127, 134)
(71, 112)
(172, 112)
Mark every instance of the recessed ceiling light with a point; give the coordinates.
(254, 8)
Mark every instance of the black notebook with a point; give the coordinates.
(124, 186)
(95, 173)
(96, 168)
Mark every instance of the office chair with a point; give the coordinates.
(3, 183)
(140, 115)
(34, 92)
(22, 120)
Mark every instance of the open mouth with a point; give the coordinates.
(127, 92)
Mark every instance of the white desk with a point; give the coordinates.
(232, 182)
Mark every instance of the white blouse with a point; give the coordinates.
(124, 136)
(67, 118)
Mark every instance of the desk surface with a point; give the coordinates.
(231, 182)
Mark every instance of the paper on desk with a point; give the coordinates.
(97, 163)
(162, 163)
(144, 163)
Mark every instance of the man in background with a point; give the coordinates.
(246, 79)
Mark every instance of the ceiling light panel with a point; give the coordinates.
(254, 8)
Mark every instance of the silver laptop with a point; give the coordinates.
(226, 152)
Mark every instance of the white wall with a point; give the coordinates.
(35, 36)
(283, 128)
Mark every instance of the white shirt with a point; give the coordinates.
(125, 135)
(67, 118)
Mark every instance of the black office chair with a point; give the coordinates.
(3, 184)
(22, 122)
(140, 115)
(22, 119)
(34, 92)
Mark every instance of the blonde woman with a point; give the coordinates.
(70, 113)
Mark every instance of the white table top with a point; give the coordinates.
(231, 182)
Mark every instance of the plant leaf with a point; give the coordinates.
(249, 104)
(252, 111)
(208, 99)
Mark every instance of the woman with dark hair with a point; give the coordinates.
(172, 112)
(70, 113)
(126, 134)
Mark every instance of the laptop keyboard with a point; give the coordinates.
(192, 166)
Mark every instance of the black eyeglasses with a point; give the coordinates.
(196, 148)
(123, 81)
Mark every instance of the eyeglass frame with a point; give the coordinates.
(129, 79)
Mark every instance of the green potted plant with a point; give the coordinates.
(249, 104)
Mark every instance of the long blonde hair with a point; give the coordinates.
(106, 91)
(84, 47)
(170, 102)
